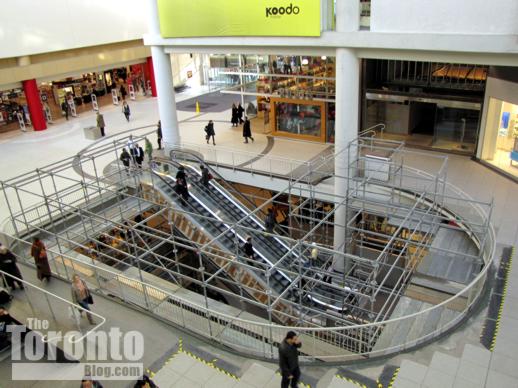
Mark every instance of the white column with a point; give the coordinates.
(164, 83)
(346, 120)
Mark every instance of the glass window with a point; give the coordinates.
(500, 146)
(300, 119)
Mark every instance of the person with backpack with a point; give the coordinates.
(126, 110)
(209, 132)
(125, 158)
(205, 176)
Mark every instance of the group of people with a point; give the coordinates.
(134, 154)
(237, 118)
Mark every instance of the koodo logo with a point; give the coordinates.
(278, 11)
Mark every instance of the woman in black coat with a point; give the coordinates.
(240, 111)
(247, 131)
(235, 116)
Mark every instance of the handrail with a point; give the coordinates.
(71, 304)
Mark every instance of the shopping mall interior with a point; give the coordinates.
(180, 193)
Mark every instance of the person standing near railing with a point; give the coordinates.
(8, 265)
(39, 253)
(289, 360)
(81, 296)
(181, 187)
(159, 134)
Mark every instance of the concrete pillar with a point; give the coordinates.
(346, 120)
(151, 74)
(163, 76)
(32, 94)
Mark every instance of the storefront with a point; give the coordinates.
(498, 146)
(12, 102)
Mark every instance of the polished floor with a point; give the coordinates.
(458, 360)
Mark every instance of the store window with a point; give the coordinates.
(500, 146)
(12, 102)
(299, 119)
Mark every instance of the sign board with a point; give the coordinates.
(47, 112)
(95, 106)
(115, 97)
(21, 121)
(188, 18)
(72, 106)
(132, 92)
(189, 74)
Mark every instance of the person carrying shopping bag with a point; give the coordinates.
(81, 295)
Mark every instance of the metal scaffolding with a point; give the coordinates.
(94, 214)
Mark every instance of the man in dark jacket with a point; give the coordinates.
(8, 265)
(205, 175)
(209, 132)
(181, 187)
(270, 220)
(289, 360)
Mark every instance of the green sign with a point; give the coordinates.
(198, 18)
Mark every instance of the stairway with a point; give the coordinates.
(409, 331)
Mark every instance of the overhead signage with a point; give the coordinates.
(206, 18)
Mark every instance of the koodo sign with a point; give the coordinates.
(206, 18)
(289, 10)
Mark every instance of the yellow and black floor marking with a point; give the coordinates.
(496, 300)
(301, 384)
(356, 378)
(387, 376)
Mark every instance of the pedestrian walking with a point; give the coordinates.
(209, 132)
(181, 185)
(126, 110)
(39, 253)
(8, 265)
(123, 92)
(248, 248)
(205, 175)
(81, 295)
(240, 111)
(139, 156)
(100, 123)
(159, 134)
(64, 108)
(270, 220)
(247, 130)
(235, 116)
(289, 360)
(125, 158)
